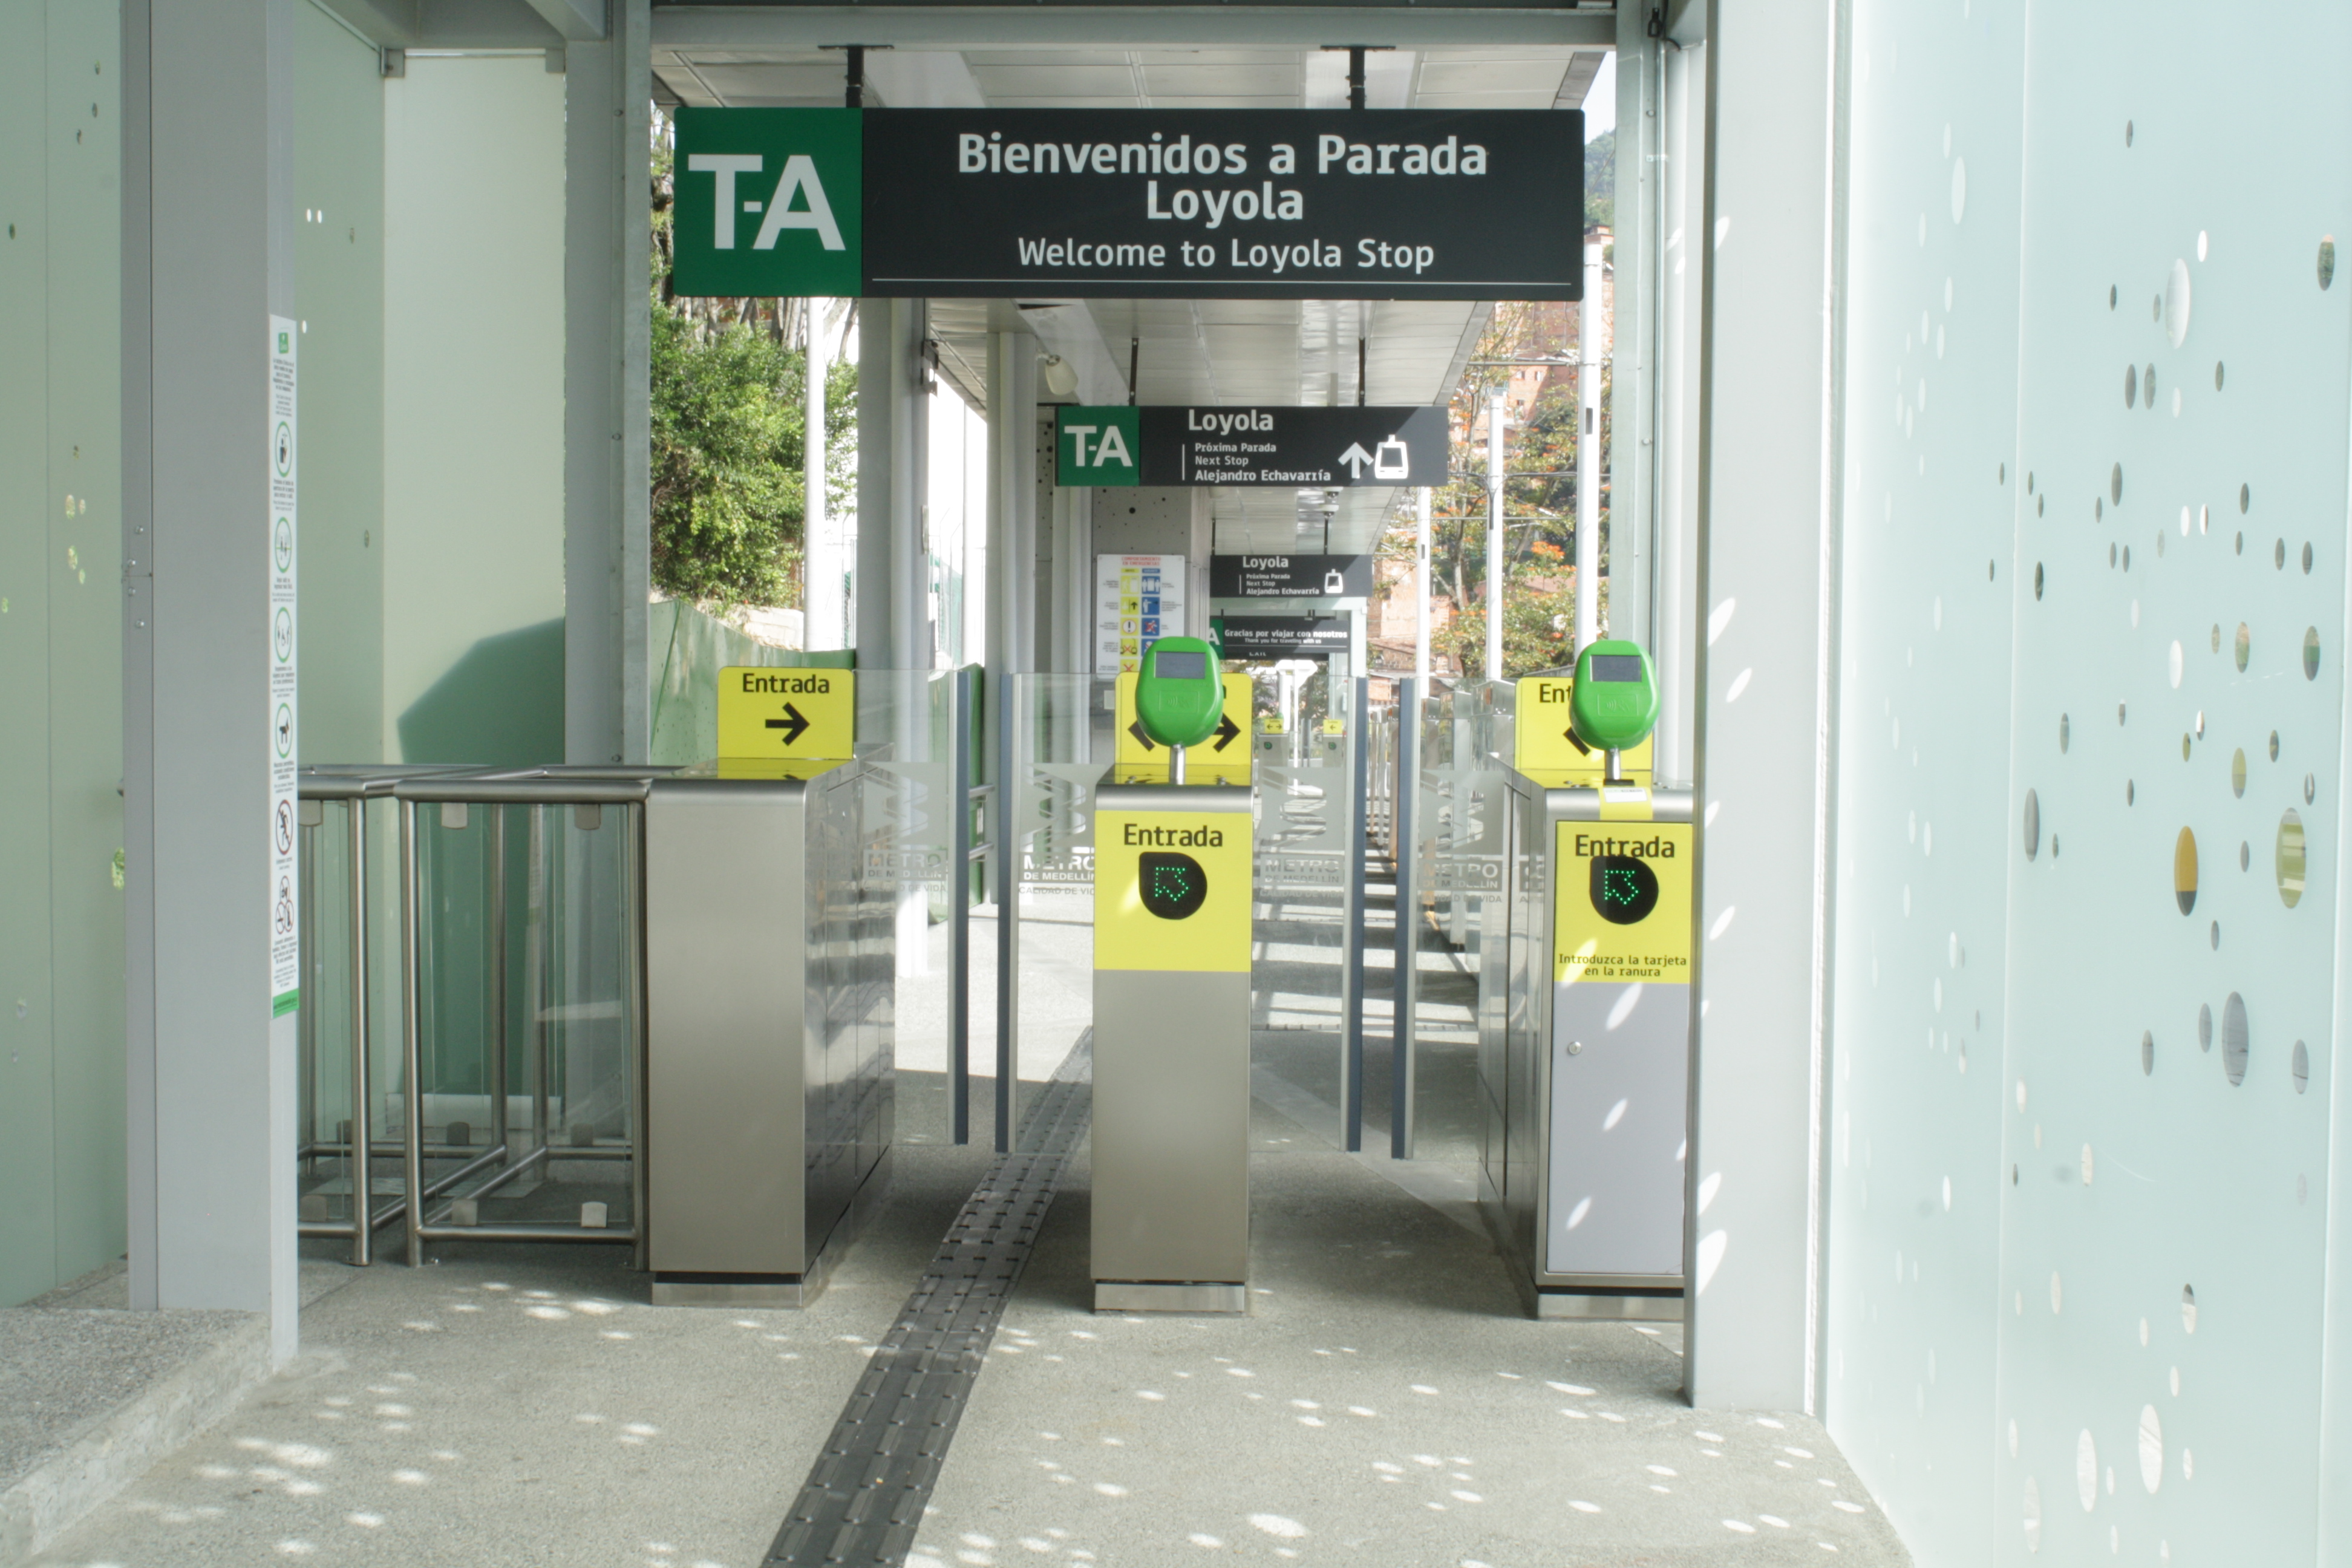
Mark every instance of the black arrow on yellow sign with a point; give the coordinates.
(1136, 729)
(791, 724)
(1227, 731)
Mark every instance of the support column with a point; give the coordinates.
(607, 344)
(1065, 614)
(1682, 272)
(1767, 547)
(1591, 461)
(1012, 511)
(1497, 538)
(1420, 591)
(1631, 338)
(208, 209)
(1013, 503)
(823, 623)
(892, 630)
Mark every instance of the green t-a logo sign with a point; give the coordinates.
(768, 202)
(1096, 445)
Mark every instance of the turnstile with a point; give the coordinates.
(1172, 1051)
(1585, 1065)
(770, 908)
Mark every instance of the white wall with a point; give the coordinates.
(61, 523)
(2042, 578)
(474, 411)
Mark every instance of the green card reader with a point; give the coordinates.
(1615, 705)
(1179, 697)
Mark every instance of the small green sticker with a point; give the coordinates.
(285, 1003)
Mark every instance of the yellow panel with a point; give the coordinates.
(796, 715)
(1622, 865)
(1224, 755)
(1547, 752)
(1214, 938)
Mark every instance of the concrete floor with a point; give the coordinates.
(1385, 1402)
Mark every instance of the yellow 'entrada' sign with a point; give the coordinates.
(1622, 902)
(798, 715)
(1172, 890)
(1546, 749)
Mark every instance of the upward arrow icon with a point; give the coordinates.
(1355, 456)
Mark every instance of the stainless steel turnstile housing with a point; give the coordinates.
(770, 988)
(1171, 1226)
(1554, 1130)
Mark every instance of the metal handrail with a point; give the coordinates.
(603, 787)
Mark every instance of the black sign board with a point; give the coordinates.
(1405, 204)
(1285, 636)
(1290, 576)
(1325, 448)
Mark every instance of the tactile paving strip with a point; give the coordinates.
(864, 1496)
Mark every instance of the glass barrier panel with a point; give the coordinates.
(525, 960)
(324, 1058)
(1306, 785)
(1460, 830)
(1061, 748)
(906, 721)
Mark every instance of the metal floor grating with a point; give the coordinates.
(864, 1498)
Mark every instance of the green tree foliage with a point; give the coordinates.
(729, 499)
(1530, 347)
(1601, 181)
(1538, 620)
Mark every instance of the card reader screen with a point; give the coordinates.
(1191, 664)
(1616, 667)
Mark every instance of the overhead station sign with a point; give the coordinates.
(1319, 448)
(1271, 576)
(1143, 203)
(1285, 636)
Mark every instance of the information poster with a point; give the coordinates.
(284, 924)
(1139, 599)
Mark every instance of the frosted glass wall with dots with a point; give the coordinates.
(2091, 748)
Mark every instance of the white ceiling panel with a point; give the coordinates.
(761, 86)
(980, 59)
(1260, 79)
(1538, 79)
(1000, 82)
